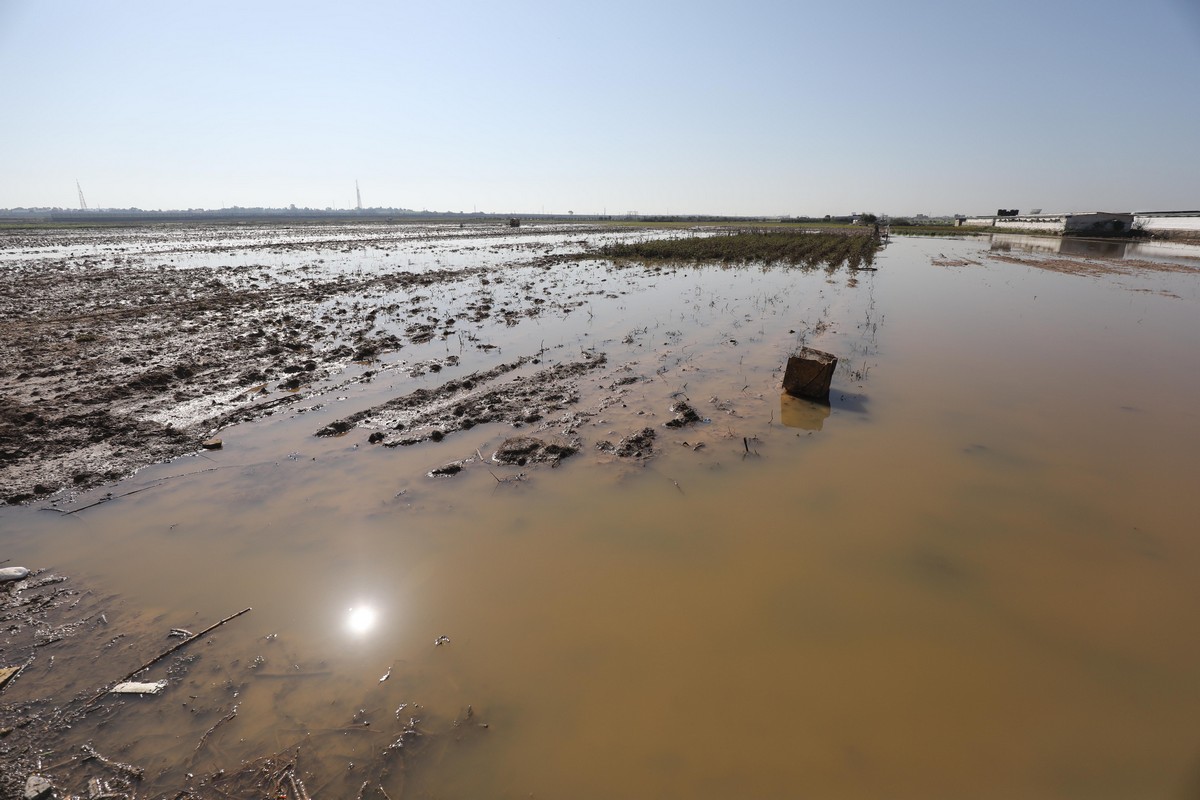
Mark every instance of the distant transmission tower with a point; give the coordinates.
(357, 196)
(82, 202)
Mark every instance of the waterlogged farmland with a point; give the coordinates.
(489, 552)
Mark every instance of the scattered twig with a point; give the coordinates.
(89, 752)
(232, 713)
(158, 482)
(163, 655)
(107, 498)
(297, 785)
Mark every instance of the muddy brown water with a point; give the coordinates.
(975, 574)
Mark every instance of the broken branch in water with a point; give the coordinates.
(219, 723)
(297, 785)
(128, 769)
(163, 655)
(110, 497)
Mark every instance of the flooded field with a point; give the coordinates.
(975, 573)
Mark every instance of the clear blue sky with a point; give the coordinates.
(661, 107)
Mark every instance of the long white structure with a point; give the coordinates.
(1100, 223)
(1168, 224)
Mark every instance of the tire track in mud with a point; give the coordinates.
(461, 404)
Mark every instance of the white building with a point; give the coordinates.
(1097, 223)
(1168, 224)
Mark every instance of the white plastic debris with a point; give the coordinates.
(13, 574)
(36, 787)
(139, 687)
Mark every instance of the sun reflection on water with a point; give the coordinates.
(361, 619)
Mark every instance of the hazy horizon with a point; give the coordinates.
(534, 214)
(929, 108)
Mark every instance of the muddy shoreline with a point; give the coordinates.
(112, 362)
(124, 349)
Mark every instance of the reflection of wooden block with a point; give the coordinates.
(809, 374)
(796, 412)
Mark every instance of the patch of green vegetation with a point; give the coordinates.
(795, 247)
(936, 230)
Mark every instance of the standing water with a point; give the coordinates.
(974, 574)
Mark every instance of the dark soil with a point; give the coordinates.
(684, 415)
(522, 450)
(120, 357)
(638, 445)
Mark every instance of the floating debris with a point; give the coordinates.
(9, 674)
(13, 574)
(139, 687)
(37, 787)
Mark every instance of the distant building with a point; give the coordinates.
(1096, 223)
(1168, 224)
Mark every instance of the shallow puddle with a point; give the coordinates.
(975, 573)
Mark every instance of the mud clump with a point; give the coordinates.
(522, 450)
(338, 428)
(638, 445)
(684, 415)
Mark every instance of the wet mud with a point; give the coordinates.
(120, 350)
